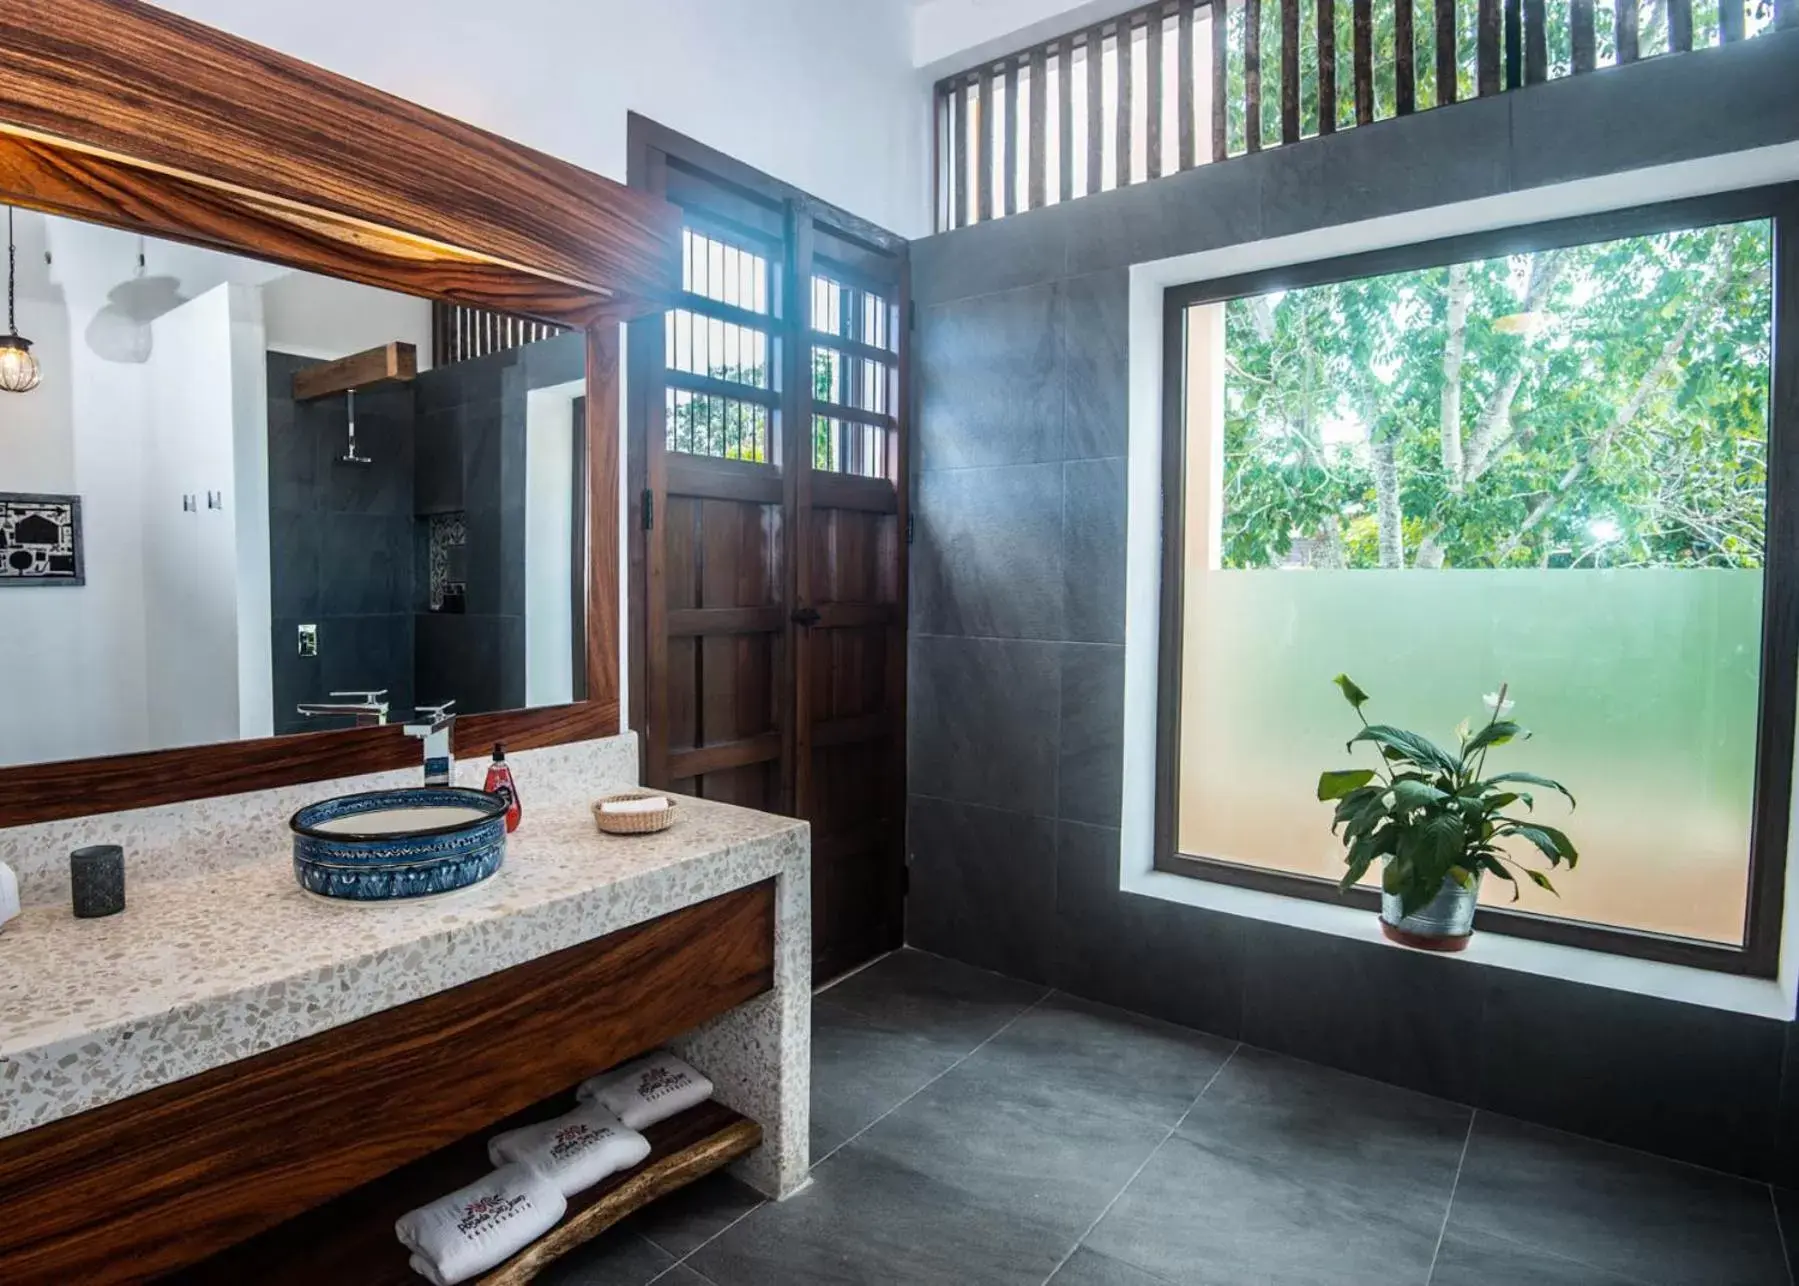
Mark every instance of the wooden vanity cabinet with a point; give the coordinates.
(165, 1179)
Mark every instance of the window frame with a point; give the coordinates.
(1778, 689)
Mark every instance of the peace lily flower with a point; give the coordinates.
(1497, 702)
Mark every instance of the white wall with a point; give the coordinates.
(36, 453)
(204, 615)
(80, 431)
(549, 543)
(100, 656)
(820, 93)
(313, 316)
(247, 509)
(951, 35)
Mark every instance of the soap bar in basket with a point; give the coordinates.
(652, 804)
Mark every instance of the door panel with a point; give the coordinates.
(768, 451)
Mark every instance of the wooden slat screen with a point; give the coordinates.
(460, 333)
(1327, 66)
(1135, 97)
(1405, 60)
(1252, 75)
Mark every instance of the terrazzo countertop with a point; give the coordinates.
(204, 969)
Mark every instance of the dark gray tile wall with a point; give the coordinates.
(471, 459)
(340, 544)
(1016, 661)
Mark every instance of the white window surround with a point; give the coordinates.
(1773, 998)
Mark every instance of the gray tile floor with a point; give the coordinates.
(968, 1128)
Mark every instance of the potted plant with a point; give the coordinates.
(1435, 821)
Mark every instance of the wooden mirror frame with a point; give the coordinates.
(118, 113)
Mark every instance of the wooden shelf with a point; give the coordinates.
(395, 361)
(350, 1241)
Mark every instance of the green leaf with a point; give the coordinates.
(1530, 779)
(1407, 746)
(1362, 819)
(1540, 880)
(1444, 838)
(1335, 785)
(1462, 876)
(1552, 843)
(1497, 867)
(1427, 851)
(1351, 693)
(1494, 734)
(1355, 801)
(1412, 793)
(1361, 856)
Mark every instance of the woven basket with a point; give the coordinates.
(634, 823)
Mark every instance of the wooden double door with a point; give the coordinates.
(769, 555)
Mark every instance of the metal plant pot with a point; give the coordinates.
(1445, 923)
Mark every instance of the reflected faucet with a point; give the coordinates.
(432, 726)
(369, 708)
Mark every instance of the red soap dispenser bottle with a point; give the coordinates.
(499, 782)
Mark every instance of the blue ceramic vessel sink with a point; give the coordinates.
(387, 845)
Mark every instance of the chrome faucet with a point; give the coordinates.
(432, 725)
(369, 708)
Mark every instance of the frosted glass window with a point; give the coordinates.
(1545, 469)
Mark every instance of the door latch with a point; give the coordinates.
(807, 616)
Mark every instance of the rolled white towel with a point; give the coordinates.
(477, 1227)
(649, 1090)
(654, 804)
(575, 1151)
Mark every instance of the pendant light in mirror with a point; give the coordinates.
(19, 371)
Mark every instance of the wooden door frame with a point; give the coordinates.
(123, 114)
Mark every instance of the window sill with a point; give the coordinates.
(1762, 997)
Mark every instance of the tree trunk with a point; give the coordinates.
(1453, 350)
(1386, 494)
(1430, 554)
(1494, 430)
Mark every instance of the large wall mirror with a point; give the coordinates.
(325, 424)
(246, 500)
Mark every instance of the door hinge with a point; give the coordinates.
(911, 527)
(649, 509)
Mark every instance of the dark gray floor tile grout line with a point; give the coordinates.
(861, 968)
(1449, 1206)
(1153, 1152)
(681, 1260)
(682, 1265)
(1780, 1227)
(1615, 1273)
(1004, 1028)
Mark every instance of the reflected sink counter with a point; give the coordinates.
(217, 966)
